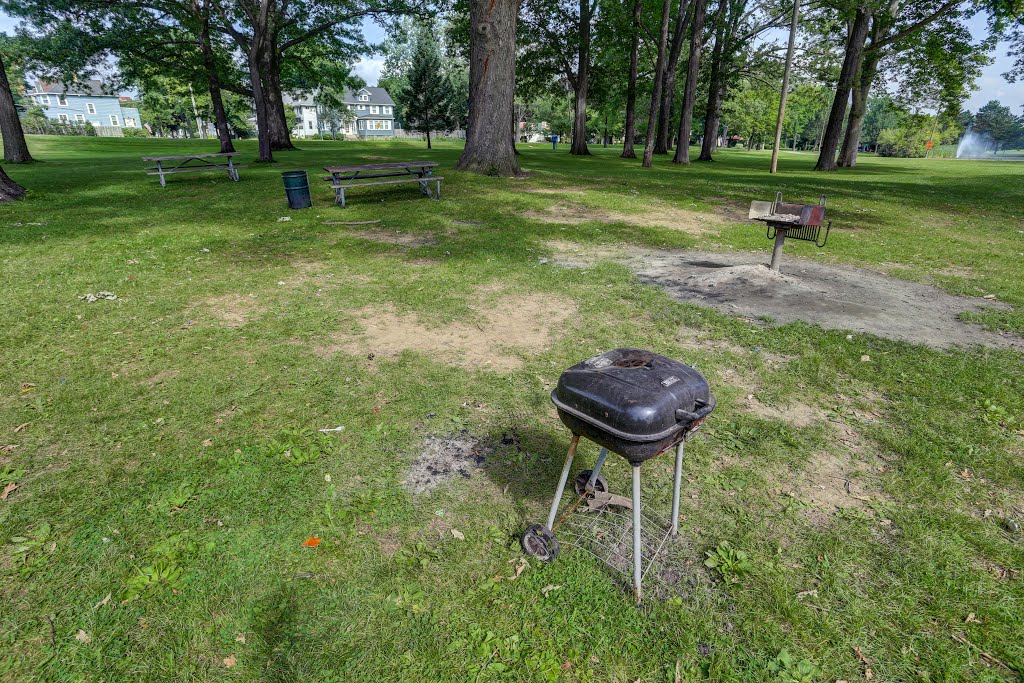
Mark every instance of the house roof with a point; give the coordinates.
(299, 99)
(91, 87)
(377, 96)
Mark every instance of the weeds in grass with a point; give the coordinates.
(162, 575)
(788, 669)
(730, 563)
(32, 552)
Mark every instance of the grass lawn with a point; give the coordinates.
(169, 469)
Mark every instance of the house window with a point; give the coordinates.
(90, 107)
(63, 118)
(129, 122)
(361, 124)
(364, 98)
(374, 110)
(387, 110)
(361, 107)
(62, 100)
(80, 117)
(114, 121)
(45, 99)
(309, 125)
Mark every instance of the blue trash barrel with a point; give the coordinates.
(296, 186)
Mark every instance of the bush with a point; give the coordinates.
(902, 142)
(52, 127)
(135, 132)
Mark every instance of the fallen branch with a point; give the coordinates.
(350, 222)
(991, 659)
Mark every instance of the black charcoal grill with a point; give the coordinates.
(637, 404)
(795, 221)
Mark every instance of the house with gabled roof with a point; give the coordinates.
(372, 114)
(85, 101)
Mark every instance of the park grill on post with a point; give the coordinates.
(795, 221)
(637, 404)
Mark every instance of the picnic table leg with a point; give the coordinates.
(232, 171)
(160, 172)
(438, 195)
(341, 195)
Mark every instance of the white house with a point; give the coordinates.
(371, 114)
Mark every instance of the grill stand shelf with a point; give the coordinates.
(587, 528)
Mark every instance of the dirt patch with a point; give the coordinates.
(442, 459)
(233, 310)
(306, 271)
(660, 214)
(797, 414)
(161, 377)
(557, 191)
(501, 330)
(829, 295)
(834, 481)
(396, 237)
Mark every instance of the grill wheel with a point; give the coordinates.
(580, 483)
(540, 542)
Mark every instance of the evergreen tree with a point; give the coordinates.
(428, 97)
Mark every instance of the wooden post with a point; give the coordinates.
(785, 86)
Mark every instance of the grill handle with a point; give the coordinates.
(701, 412)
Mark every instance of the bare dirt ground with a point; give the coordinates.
(656, 213)
(505, 326)
(442, 459)
(832, 296)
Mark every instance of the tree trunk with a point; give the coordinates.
(668, 90)
(785, 87)
(280, 135)
(716, 88)
(659, 81)
(579, 125)
(15, 147)
(690, 93)
(858, 109)
(9, 189)
(260, 102)
(492, 58)
(213, 82)
(851, 64)
(428, 139)
(634, 58)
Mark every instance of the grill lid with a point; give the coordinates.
(634, 394)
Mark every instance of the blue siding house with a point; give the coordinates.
(86, 101)
(374, 111)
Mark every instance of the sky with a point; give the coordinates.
(990, 86)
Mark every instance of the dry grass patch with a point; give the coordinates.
(504, 327)
(233, 310)
(660, 214)
(835, 480)
(395, 237)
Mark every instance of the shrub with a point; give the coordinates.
(135, 132)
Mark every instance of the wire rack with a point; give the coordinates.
(607, 536)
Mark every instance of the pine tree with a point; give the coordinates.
(428, 97)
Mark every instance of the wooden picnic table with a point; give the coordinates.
(190, 163)
(356, 175)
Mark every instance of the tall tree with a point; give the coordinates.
(855, 40)
(634, 58)
(659, 83)
(582, 84)
(997, 122)
(15, 147)
(668, 89)
(690, 92)
(785, 87)
(428, 97)
(492, 60)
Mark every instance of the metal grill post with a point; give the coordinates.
(676, 484)
(562, 479)
(637, 538)
(780, 238)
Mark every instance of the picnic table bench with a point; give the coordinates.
(346, 177)
(190, 163)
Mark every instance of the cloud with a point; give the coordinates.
(368, 68)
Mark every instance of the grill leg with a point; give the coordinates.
(637, 538)
(676, 484)
(780, 238)
(562, 479)
(597, 469)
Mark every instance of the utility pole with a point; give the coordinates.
(785, 86)
(195, 110)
